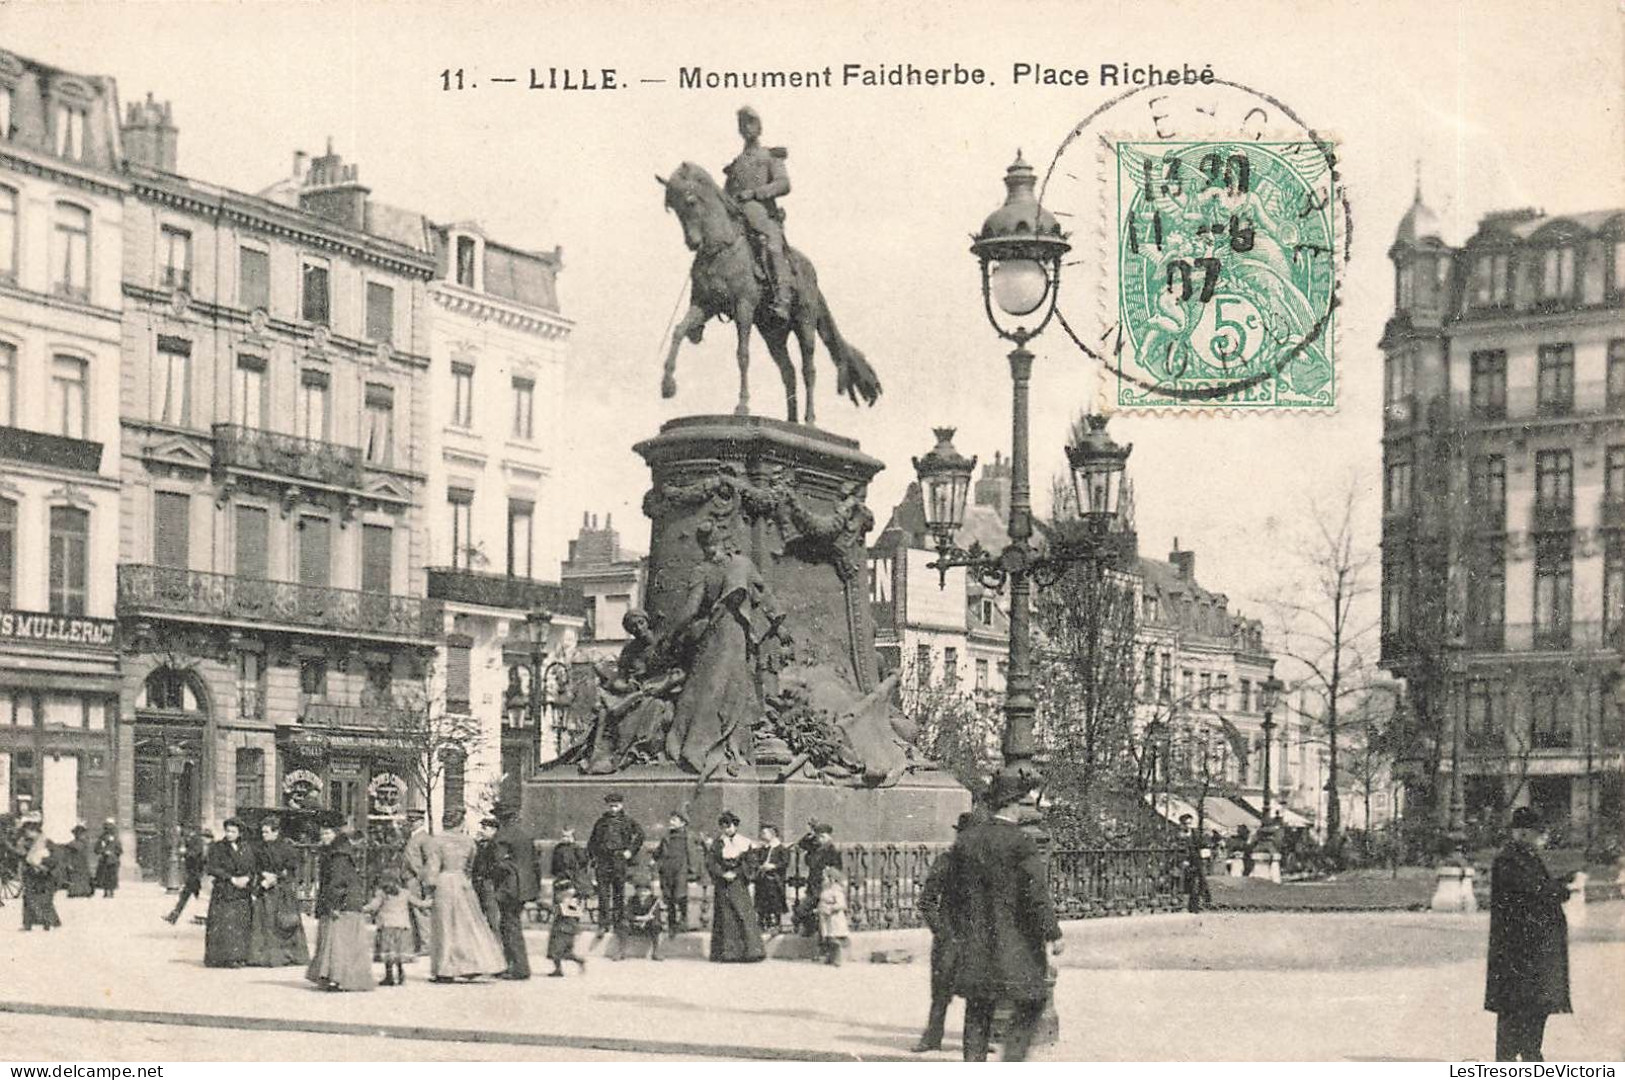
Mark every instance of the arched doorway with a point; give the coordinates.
(170, 718)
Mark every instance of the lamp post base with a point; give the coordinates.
(1454, 891)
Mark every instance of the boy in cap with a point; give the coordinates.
(678, 859)
(509, 893)
(643, 913)
(615, 841)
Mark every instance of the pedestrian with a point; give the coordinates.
(343, 958)
(772, 864)
(999, 905)
(677, 859)
(616, 839)
(643, 915)
(391, 907)
(193, 854)
(76, 862)
(507, 888)
(1527, 973)
(231, 899)
(108, 853)
(818, 852)
(462, 944)
(931, 908)
(414, 878)
(276, 928)
(735, 936)
(561, 936)
(523, 844)
(39, 873)
(570, 862)
(483, 873)
(1193, 869)
(834, 929)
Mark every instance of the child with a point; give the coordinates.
(833, 929)
(643, 913)
(561, 938)
(772, 862)
(391, 909)
(510, 902)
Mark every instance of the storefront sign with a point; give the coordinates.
(39, 628)
(387, 792)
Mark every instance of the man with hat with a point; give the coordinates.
(998, 905)
(1194, 869)
(415, 875)
(1527, 976)
(678, 858)
(931, 908)
(108, 853)
(756, 178)
(512, 833)
(615, 841)
(818, 853)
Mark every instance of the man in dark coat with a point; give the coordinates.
(76, 861)
(194, 850)
(818, 853)
(931, 906)
(508, 890)
(1528, 965)
(1194, 870)
(483, 874)
(523, 845)
(108, 853)
(678, 858)
(999, 907)
(615, 841)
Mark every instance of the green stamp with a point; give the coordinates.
(1227, 255)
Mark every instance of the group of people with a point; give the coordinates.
(79, 867)
(254, 916)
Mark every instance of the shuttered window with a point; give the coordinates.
(253, 278)
(377, 552)
(253, 525)
(457, 675)
(380, 312)
(70, 553)
(315, 561)
(171, 530)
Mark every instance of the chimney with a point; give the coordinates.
(1183, 561)
(333, 190)
(299, 165)
(149, 134)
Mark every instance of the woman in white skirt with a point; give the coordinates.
(461, 944)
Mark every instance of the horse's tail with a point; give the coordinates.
(853, 375)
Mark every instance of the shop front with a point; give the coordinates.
(363, 779)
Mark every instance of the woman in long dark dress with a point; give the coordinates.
(735, 936)
(277, 933)
(77, 863)
(231, 900)
(108, 853)
(343, 958)
(39, 869)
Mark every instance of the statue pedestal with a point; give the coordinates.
(1454, 891)
(1267, 865)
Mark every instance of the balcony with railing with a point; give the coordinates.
(1586, 636)
(199, 596)
(273, 453)
(1552, 516)
(501, 591)
(1523, 404)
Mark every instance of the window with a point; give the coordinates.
(1489, 384)
(1148, 675)
(1619, 264)
(462, 395)
(70, 556)
(521, 518)
(175, 251)
(1616, 374)
(1246, 695)
(1187, 685)
(8, 553)
(1405, 286)
(1397, 377)
(1397, 488)
(457, 676)
(1554, 588)
(465, 261)
(1221, 693)
(377, 558)
(69, 408)
(922, 665)
(1550, 716)
(1486, 593)
(5, 112)
(1490, 279)
(254, 279)
(1613, 474)
(168, 689)
(1207, 689)
(70, 251)
(950, 667)
(252, 541)
(1557, 273)
(1153, 610)
(315, 551)
(380, 679)
(313, 677)
(8, 384)
(987, 611)
(380, 312)
(70, 131)
(250, 776)
(171, 530)
(1486, 709)
(1166, 687)
(313, 411)
(981, 674)
(1487, 485)
(524, 398)
(1554, 482)
(380, 440)
(8, 234)
(313, 304)
(172, 381)
(1555, 396)
(248, 406)
(462, 535)
(1613, 588)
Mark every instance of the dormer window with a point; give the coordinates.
(1490, 279)
(1557, 273)
(70, 131)
(467, 262)
(1406, 287)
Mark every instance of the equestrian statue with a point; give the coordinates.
(743, 270)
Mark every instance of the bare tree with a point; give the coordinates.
(958, 730)
(1325, 625)
(428, 737)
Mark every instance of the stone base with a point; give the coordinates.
(922, 808)
(1267, 866)
(1454, 891)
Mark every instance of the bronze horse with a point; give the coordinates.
(727, 284)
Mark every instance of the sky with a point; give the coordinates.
(1504, 104)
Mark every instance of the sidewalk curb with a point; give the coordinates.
(713, 1051)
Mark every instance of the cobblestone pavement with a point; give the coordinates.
(1361, 986)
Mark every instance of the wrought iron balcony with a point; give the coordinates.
(500, 591)
(44, 448)
(198, 596)
(253, 450)
(1552, 517)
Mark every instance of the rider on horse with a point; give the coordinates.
(756, 178)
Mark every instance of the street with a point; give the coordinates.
(117, 983)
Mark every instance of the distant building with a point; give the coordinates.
(612, 581)
(61, 249)
(1503, 545)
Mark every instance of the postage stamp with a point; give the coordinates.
(1225, 268)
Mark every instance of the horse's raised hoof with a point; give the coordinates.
(668, 387)
(696, 334)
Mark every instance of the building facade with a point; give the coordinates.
(611, 580)
(1504, 514)
(61, 206)
(276, 642)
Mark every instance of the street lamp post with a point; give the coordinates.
(537, 623)
(1270, 692)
